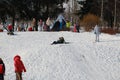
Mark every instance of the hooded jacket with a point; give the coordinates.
(18, 64)
(2, 67)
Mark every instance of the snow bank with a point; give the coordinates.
(81, 59)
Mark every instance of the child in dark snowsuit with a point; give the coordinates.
(2, 69)
(19, 67)
(60, 41)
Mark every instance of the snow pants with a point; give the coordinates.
(18, 76)
(1, 77)
(97, 38)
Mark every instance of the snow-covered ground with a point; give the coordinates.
(80, 59)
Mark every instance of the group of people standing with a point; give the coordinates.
(50, 24)
(18, 65)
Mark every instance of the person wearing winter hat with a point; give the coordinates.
(59, 41)
(19, 67)
(2, 69)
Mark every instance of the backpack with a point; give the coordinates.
(1, 68)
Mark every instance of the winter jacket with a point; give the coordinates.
(18, 64)
(74, 29)
(68, 24)
(30, 29)
(10, 27)
(1, 27)
(49, 22)
(2, 67)
(97, 30)
(40, 22)
(60, 18)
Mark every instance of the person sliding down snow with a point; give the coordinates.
(59, 41)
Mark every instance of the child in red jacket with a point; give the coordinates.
(2, 69)
(10, 29)
(19, 67)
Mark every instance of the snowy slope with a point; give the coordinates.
(81, 59)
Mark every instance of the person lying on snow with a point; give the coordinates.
(59, 41)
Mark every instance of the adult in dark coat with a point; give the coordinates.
(78, 27)
(56, 26)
